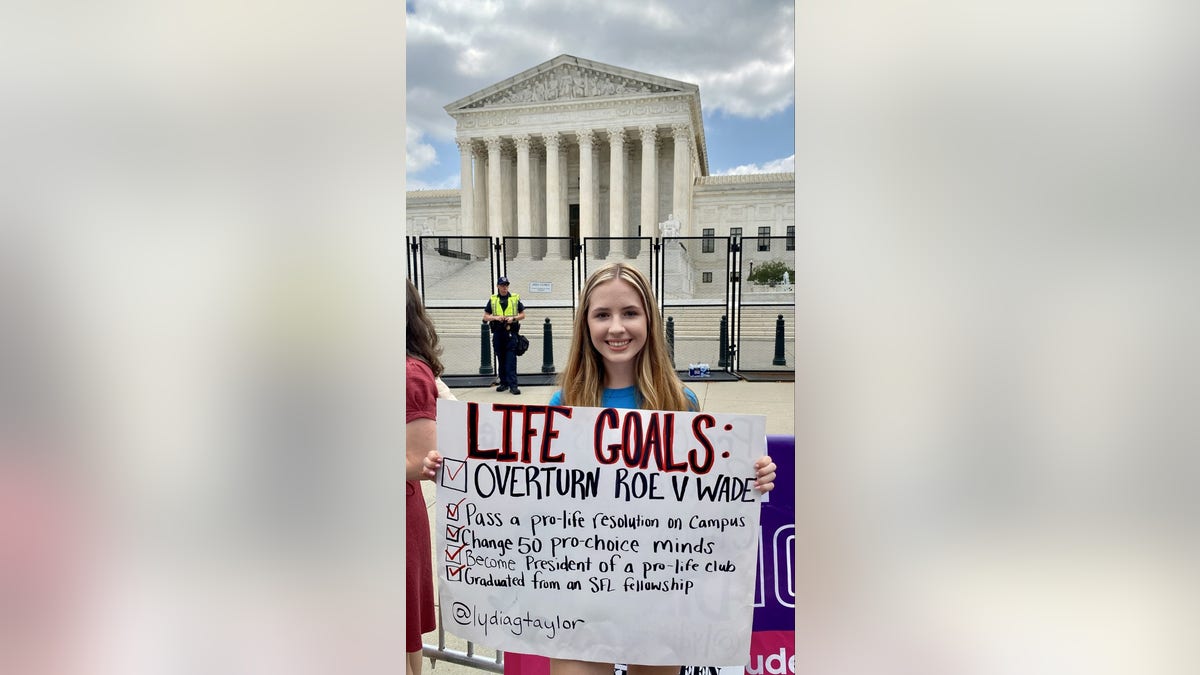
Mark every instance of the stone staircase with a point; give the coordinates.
(442, 278)
(705, 322)
(465, 322)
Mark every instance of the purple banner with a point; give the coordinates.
(775, 590)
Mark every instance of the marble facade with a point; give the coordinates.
(573, 147)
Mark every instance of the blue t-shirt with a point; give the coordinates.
(625, 397)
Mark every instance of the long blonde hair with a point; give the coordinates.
(582, 379)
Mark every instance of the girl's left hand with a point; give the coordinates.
(765, 469)
(431, 464)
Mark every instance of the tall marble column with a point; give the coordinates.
(466, 193)
(564, 190)
(587, 185)
(508, 189)
(649, 182)
(523, 213)
(564, 199)
(481, 191)
(537, 201)
(537, 191)
(553, 209)
(494, 211)
(681, 199)
(616, 183)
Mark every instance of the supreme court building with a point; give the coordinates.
(578, 148)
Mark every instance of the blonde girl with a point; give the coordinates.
(619, 359)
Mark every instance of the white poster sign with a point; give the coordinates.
(625, 536)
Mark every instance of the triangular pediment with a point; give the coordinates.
(568, 78)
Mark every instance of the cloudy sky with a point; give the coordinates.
(741, 53)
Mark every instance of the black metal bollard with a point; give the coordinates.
(723, 361)
(485, 350)
(547, 347)
(671, 338)
(779, 360)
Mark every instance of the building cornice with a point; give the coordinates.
(743, 179)
(432, 194)
(517, 115)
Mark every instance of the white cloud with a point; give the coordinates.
(783, 165)
(418, 156)
(758, 88)
(447, 183)
(472, 62)
(660, 15)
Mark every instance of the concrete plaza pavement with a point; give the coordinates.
(775, 400)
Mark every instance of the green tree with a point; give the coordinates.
(771, 273)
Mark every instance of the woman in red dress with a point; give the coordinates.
(422, 462)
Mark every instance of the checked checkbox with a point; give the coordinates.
(454, 571)
(454, 474)
(453, 509)
(457, 550)
(453, 533)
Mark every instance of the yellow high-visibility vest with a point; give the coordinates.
(511, 310)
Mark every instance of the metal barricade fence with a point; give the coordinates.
(721, 312)
(694, 295)
(761, 300)
(441, 652)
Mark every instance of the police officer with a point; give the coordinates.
(504, 312)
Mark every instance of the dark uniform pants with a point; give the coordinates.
(502, 343)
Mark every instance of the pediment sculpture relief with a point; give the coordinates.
(567, 83)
